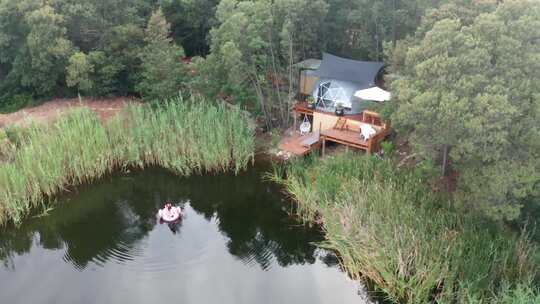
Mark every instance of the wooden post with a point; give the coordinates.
(323, 146)
(294, 123)
(373, 142)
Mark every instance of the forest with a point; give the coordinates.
(464, 74)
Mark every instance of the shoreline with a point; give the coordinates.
(78, 148)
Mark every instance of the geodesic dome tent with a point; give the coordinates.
(339, 80)
(330, 92)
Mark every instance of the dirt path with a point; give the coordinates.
(49, 111)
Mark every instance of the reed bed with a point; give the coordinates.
(390, 229)
(185, 136)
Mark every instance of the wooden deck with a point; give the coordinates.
(352, 139)
(342, 133)
(299, 144)
(346, 137)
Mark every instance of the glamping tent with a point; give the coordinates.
(340, 79)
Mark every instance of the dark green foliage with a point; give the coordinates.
(34, 48)
(12, 103)
(162, 71)
(468, 94)
(359, 29)
(191, 21)
(387, 148)
(93, 46)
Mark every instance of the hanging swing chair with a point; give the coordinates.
(305, 126)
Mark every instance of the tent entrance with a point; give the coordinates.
(330, 94)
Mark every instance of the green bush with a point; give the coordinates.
(276, 137)
(387, 147)
(425, 170)
(16, 102)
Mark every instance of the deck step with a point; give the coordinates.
(293, 144)
(310, 139)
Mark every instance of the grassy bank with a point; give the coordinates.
(391, 230)
(184, 136)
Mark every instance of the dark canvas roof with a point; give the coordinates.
(361, 72)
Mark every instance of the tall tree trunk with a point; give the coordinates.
(260, 97)
(275, 73)
(275, 79)
(376, 36)
(290, 95)
(394, 34)
(444, 165)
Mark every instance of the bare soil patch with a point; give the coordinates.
(105, 108)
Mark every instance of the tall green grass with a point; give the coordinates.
(186, 136)
(391, 230)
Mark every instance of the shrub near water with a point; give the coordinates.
(390, 229)
(184, 136)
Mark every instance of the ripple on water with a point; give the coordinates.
(152, 254)
(260, 252)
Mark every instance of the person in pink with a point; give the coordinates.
(168, 210)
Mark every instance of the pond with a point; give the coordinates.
(236, 244)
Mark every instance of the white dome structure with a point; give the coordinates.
(331, 93)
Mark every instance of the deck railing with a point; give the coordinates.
(348, 134)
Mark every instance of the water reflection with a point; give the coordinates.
(108, 219)
(113, 222)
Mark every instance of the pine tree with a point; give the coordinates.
(162, 71)
(469, 96)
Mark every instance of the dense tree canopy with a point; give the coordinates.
(470, 94)
(467, 71)
(252, 47)
(359, 28)
(191, 21)
(61, 47)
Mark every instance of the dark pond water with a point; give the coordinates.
(236, 244)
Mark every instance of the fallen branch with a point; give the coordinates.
(403, 161)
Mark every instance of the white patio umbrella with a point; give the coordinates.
(374, 93)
